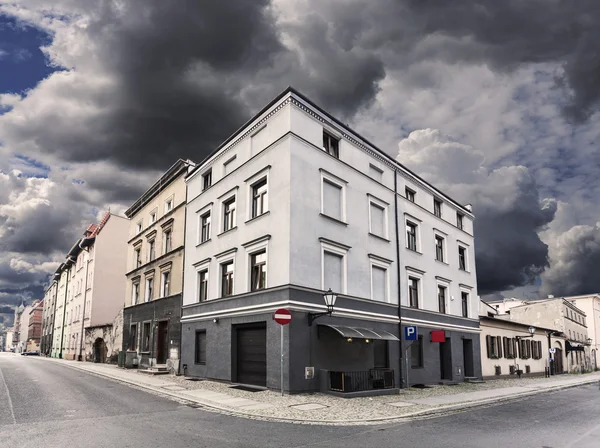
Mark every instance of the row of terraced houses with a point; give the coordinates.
(293, 206)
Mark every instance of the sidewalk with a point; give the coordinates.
(317, 408)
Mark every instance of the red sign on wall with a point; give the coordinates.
(438, 336)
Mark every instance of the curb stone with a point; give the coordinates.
(427, 413)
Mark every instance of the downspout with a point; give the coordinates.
(53, 316)
(87, 267)
(62, 333)
(550, 363)
(398, 276)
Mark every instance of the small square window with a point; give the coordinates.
(410, 195)
(437, 208)
(207, 179)
(138, 227)
(168, 205)
(331, 145)
(152, 217)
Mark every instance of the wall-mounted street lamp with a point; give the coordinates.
(330, 297)
(589, 341)
(531, 333)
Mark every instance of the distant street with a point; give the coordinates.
(49, 405)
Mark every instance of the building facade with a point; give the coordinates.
(8, 339)
(590, 305)
(294, 204)
(34, 330)
(151, 325)
(569, 321)
(50, 297)
(89, 289)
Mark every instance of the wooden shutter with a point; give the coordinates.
(505, 345)
(499, 339)
(488, 345)
(539, 344)
(528, 351)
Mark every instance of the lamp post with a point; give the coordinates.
(330, 297)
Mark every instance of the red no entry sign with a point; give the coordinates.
(282, 317)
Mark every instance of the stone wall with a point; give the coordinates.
(103, 343)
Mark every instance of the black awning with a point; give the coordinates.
(573, 348)
(361, 333)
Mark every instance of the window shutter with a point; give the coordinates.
(488, 345)
(540, 349)
(332, 200)
(505, 346)
(333, 265)
(499, 346)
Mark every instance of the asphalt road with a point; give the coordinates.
(45, 404)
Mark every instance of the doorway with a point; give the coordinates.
(468, 358)
(251, 346)
(99, 351)
(446, 360)
(162, 342)
(558, 361)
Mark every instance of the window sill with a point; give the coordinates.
(203, 242)
(333, 219)
(442, 262)
(379, 237)
(464, 270)
(414, 251)
(200, 363)
(257, 217)
(226, 231)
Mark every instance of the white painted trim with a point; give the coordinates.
(208, 209)
(374, 262)
(384, 206)
(466, 248)
(326, 247)
(224, 259)
(468, 292)
(444, 238)
(252, 249)
(418, 231)
(199, 268)
(419, 276)
(250, 182)
(334, 180)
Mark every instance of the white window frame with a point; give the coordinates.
(146, 289)
(250, 182)
(417, 223)
(439, 282)
(380, 263)
(220, 261)
(164, 239)
(444, 237)
(466, 248)
(227, 198)
(207, 172)
(385, 206)
(332, 179)
(199, 213)
(170, 199)
(153, 216)
(338, 250)
(204, 266)
(139, 226)
(419, 275)
(135, 283)
(162, 282)
(462, 290)
(250, 250)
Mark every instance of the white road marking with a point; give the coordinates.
(10, 404)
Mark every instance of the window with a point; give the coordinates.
(258, 270)
(410, 194)
(133, 337)
(377, 216)
(165, 284)
(462, 258)
(138, 227)
(437, 208)
(411, 236)
(135, 293)
(203, 285)
(331, 145)
(494, 347)
(167, 238)
(227, 279)
(168, 205)
(464, 298)
(459, 220)
(153, 217)
(200, 348)
(228, 166)
(205, 227)
(442, 299)
(332, 199)
(138, 257)
(149, 288)
(151, 250)
(259, 198)
(413, 291)
(206, 179)
(416, 353)
(439, 248)
(146, 337)
(379, 283)
(333, 271)
(375, 172)
(229, 214)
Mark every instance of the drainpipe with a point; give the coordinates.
(62, 333)
(53, 314)
(550, 363)
(398, 275)
(87, 267)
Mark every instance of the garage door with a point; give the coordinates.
(252, 354)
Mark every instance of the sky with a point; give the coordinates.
(496, 103)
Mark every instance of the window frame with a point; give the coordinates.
(464, 293)
(153, 216)
(206, 179)
(137, 256)
(222, 265)
(440, 249)
(139, 226)
(197, 359)
(446, 286)
(437, 207)
(203, 267)
(169, 204)
(146, 335)
(419, 278)
(376, 262)
(232, 199)
(251, 182)
(133, 337)
(167, 237)
(149, 281)
(165, 287)
(460, 221)
(262, 264)
(411, 223)
(151, 250)
(135, 294)
(410, 194)
(328, 138)
(384, 206)
(339, 183)
(336, 250)
(262, 244)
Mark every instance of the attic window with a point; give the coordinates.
(331, 145)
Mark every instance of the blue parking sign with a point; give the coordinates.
(410, 333)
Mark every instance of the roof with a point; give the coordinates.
(165, 180)
(502, 318)
(291, 90)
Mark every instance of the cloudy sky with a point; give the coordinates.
(495, 101)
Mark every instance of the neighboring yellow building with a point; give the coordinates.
(151, 318)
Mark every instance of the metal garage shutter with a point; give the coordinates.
(252, 354)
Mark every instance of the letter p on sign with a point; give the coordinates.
(410, 333)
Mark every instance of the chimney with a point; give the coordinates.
(469, 207)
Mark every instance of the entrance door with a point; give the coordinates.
(445, 360)
(162, 343)
(252, 354)
(468, 357)
(558, 361)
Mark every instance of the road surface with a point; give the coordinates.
(46, 404)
